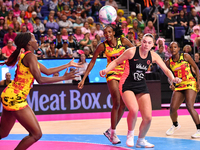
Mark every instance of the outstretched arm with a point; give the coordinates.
(128, 54)
(99, 49)
(31, 61)
(50, 71)
(156, 59)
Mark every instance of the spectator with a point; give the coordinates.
(64, 23)
(56, 75)
(2, 22)
(86, 41)
(66, 2)
(87, 7)
(120, 15)
(174, 11)
(124, 28)
(94, 45)
(188, 49)
(145, 7)
(160, 52)
(73, 44)
(51, 51)
(197, 5)
(150, 29)
(81, 71)
(3, 11)
(95, 9)
(167, 54)
(85, 28)
(49, 37)
(194, 17)
(46, 19)
(64, 34)
(20, 19)
(185, 10)
(14, 20)
(78, 23)
(181, 19)
(90, 21)
(196, 59)
(130, 37)
(8, 49)
(29, 11)
(9, 35)
(3, 31)
(59, 7)
(24, 29)
(83, 16)
(129, 24)
(79, 11)
(71, 5)
(78, 2)
(135, 28)
(58, 41)
(166, 7)
(141, 23)
(78, 34)
(99, 31)
(169, 21)
(73, 17)
(28, 24)
(7, 80)
(154, 11)
(34, 16)
(37, 8)
(159, 42)
(9, 18)
(16, 27)
(76, 80)
(39, 53)
(8, 4)
(161, 3)
(65, 51)
(188, 32)
(38, 27)
(16, 10)
(23, 5)
(139, 39)
(99, 39)
(112, 3)
(53, 4)
(132, 17)
(51, 24)
(196, 33)
(87, 52)
(66, 11)
(43, 44)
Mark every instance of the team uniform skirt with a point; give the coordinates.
(12, 101)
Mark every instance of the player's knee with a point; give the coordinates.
(133, 111)
(116, 105)
(147, 119)
(190, 107)
(37, 135)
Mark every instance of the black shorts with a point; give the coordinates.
(135, 87)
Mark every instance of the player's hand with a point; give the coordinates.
(102, 73)
(70, 75)
(177, 80)
(81, 84)
(172, 87)
(73, 64)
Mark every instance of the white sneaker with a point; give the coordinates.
(107, 134)
(114, 139)
(144, 144)
(130, 140)
(197, 134)
(173, 129)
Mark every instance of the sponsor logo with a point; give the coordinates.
(140, 66)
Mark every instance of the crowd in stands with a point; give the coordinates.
(69, 28)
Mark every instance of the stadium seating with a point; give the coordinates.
(179, 32)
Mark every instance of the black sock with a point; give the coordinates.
(175, 124)
(198, 126)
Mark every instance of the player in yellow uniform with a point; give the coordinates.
(187, 90)
(15, 106)
(113, 47)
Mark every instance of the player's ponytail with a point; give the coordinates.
(21, 41)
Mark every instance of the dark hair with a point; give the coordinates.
(117, 29)
(21, 41)
(80, 58)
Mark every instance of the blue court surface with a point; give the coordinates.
(159, 142)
